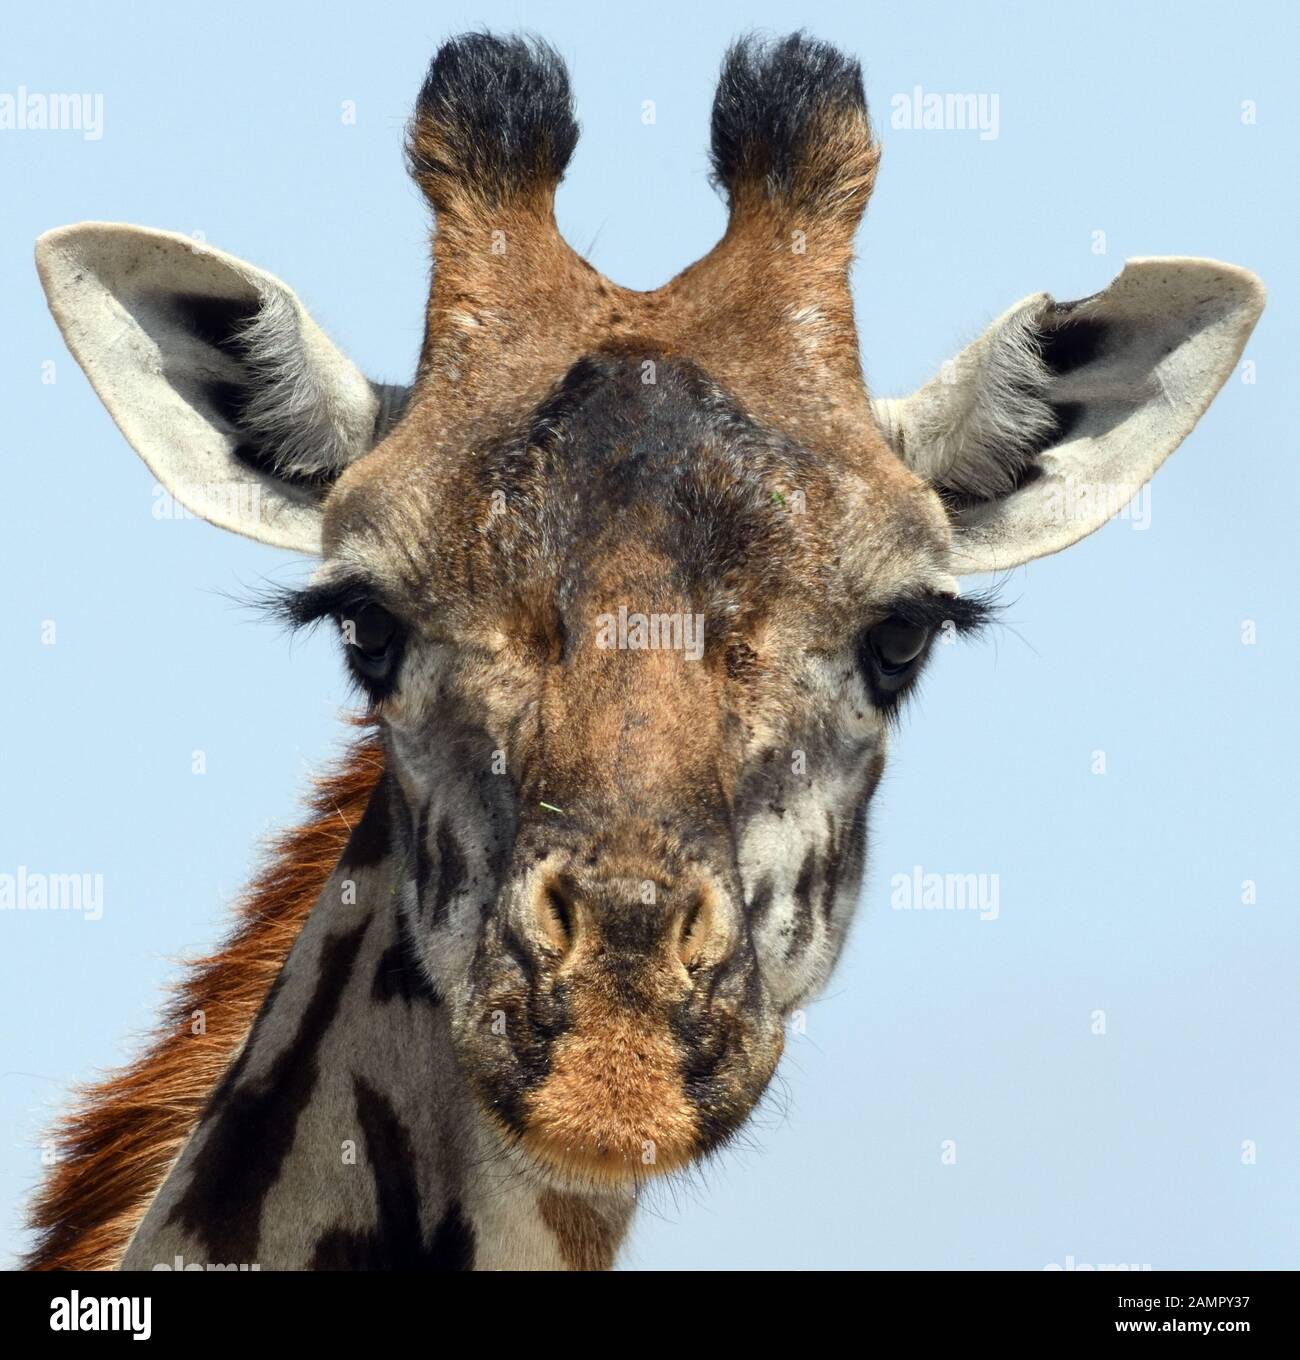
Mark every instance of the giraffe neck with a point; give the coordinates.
(344, 1137)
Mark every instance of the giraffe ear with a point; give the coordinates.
(237, 401)
(1053, 419)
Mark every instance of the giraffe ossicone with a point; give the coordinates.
(633, 585)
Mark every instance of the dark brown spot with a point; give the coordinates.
(398, 974)
(803, 905)
(452, 871)
(588, 1236)
(396, 1242)
(371, 840)
(255, 1124)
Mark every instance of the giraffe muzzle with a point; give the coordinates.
(636, 1032)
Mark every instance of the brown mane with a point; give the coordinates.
(119, 1141)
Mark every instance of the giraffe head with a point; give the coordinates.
(635, 582)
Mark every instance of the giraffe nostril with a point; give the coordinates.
(556, 915)
(696, 930)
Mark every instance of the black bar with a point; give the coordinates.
(975, 1308)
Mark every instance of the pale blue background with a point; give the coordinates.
(1119, 892)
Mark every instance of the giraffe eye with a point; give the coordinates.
(891, 652)
(897, 643)
(372, 635)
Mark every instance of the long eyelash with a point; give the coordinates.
(307, 606)
(968, 614)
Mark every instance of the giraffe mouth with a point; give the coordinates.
(614, 1106)
(575, 1164)
(625, 1099)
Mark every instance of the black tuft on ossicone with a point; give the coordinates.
(772, 102)
(494, 118)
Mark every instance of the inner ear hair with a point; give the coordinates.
(276, 400)
(997, 407)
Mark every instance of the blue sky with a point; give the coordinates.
(1118, 893)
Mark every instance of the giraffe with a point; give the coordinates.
(632, 587)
